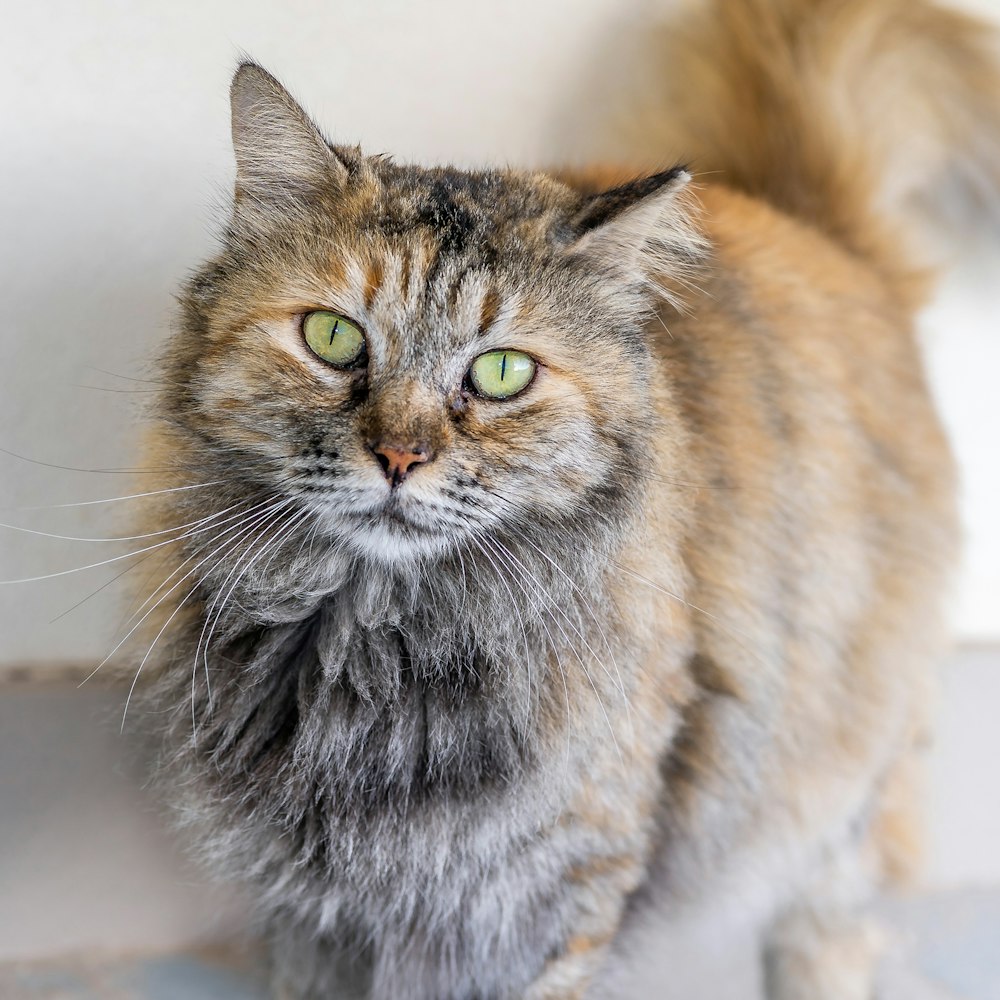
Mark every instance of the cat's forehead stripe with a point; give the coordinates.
(454, 222)
(489, 309)
(404, 285)
(373, 280)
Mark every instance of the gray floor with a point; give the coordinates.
(171, 977)
(946, 947)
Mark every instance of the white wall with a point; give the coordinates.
(115, 161)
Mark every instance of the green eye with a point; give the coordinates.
(333, 338)
(501, 374)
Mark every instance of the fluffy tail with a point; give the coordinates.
(842, 113)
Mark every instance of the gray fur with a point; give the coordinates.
(385, 745)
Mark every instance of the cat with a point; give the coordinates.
(555, 547)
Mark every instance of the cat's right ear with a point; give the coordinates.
(280, 154)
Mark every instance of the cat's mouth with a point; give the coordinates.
(396, 533)
(394, 514)
(392, 528)
(408, 518)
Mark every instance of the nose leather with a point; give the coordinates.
(398, 461)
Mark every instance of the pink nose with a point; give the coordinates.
(397, 461)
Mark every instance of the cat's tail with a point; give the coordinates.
(843, 113)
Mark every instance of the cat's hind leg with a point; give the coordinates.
(813, 953)
(825, 946)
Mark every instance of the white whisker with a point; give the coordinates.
(130, 496)
(229, 545)
(517, 614)
(118, 472)
(730, 630)
(132, 631)
(113, 559)
(593, 616)
(208, 630)
(103, 586)
(267, 504)
(122, 538)
(548, 606)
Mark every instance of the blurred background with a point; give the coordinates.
(115, 172)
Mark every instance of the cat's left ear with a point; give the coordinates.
(280, 153)
(632, 227)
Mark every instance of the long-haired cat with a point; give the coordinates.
(556, 547)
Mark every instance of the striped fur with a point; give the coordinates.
(655, 633)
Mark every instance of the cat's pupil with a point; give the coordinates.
(503, 367)
(333, 332)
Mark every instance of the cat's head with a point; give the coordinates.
(415, 356)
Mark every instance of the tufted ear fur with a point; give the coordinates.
(620, 202)
(642, 230)
(280, 153)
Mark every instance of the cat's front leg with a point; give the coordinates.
(568, 975)
(822, 956)
(824, 946)
(305, 965)
(601, 888)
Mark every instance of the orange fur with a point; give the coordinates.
(772, 598)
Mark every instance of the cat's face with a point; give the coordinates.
(395, 444)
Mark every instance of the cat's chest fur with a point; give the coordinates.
(394, 770)
(338, 727)
(375, 715)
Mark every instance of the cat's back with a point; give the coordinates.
(822, 526)
(791, 346)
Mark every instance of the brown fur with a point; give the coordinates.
(768, 568)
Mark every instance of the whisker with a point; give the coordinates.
(131, 378)
(105, 388)
(149, 651)
(465, 581)
(548, 606)
(119, 538)
(129, 472)
(262, 508)
(593, 616)
(103, 586)
(130, 496)
(587, 606)
(664, 325)
(281, 532)
(207, 630)
(517, 613)
(163, 628)
(197, 651)
(112, 559)
(553, 648)
(620, 684)
(730, 630)
(244, 537)
(132, 631)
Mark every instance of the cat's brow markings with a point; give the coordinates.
(489, 309)
(373, 280)
(453, 223)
